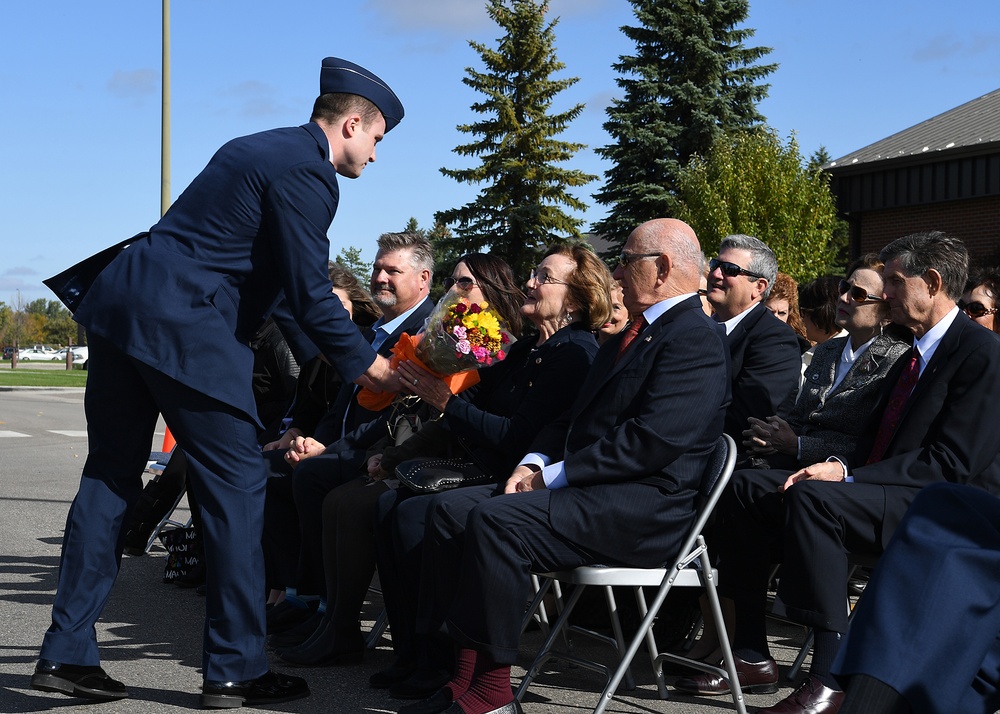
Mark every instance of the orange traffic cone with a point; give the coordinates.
(168, 441)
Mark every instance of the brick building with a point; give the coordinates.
(942, 174)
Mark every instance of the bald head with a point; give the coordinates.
(664, 260)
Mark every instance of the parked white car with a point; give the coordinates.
(31, 353)
(79, 354)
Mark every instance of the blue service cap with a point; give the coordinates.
(338, 75)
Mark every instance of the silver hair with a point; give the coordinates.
(762, 259)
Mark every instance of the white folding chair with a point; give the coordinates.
(692, 568)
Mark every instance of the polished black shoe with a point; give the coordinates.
(513, 707)
(435, 704)
(421, 684)
(399, 671)
(755, 677)
(76, 681)
(270, 688)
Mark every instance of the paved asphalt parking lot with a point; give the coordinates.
(150, 633)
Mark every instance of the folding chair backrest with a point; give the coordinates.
(717, 472)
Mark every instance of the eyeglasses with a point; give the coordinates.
(731, 270)
(465, 283)
(625, 258)
(541, 277)
(976, 309)
(857, 293)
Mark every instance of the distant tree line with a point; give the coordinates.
(39, 322)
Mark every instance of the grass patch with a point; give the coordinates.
(27, 377)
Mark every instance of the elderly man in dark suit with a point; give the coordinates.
(931, 429)
(614, 480)
(170, 317)
(764, 352)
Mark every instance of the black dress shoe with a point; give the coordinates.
(435, 704)
(811, 697)
(270, 688)
(400, 670)
(421, 684)
(513, 707)
(76, 681)
(755, 677)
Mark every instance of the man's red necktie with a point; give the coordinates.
(894, 409)
(630, 334)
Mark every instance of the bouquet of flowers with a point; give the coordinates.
(458, 338)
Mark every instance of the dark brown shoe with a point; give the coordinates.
(755, 677)
(812, 697)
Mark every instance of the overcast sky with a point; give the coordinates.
(80, 119)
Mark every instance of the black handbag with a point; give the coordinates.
(183, 546)
(435, 475)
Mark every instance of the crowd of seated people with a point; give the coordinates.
(313, 464)
(844, 380)
(347, 511)
(567, 300)
(584, 446)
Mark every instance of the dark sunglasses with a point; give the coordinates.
(976, 309)
(857, 293)
(731, 270)
(465, 283)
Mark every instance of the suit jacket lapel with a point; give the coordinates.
(605, 368)
(941, 355)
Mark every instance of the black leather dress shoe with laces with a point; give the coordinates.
(76, 681)
(270, 688)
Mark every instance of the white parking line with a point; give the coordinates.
(4, 432)
(68, 433)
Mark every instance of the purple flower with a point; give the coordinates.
(463, 346)
(460, 332)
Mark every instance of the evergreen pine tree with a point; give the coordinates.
(519, 210)
(690, 81)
